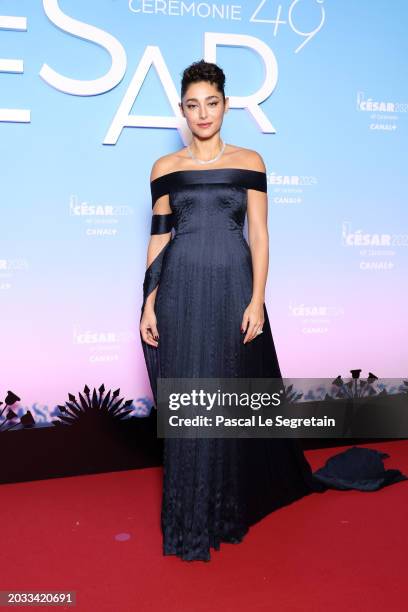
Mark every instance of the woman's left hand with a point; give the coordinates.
(253, 319)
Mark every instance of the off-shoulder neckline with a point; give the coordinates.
(203, 170)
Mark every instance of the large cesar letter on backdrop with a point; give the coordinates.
(152, 55)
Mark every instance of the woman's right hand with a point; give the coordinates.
(148, 327)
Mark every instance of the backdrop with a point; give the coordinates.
(88, 101)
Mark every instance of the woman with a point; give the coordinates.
(203, 315)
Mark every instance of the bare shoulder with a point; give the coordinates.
(163, 165)
(252, 160)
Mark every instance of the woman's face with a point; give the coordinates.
(203, 108)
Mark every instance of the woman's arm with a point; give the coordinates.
(258, 239)
(157, 243)
(258, 236)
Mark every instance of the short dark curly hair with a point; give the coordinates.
(203, 71)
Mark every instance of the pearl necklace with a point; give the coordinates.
(206, 161)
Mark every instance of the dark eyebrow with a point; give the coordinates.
(195, 99)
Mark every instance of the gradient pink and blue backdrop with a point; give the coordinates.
(71, 283)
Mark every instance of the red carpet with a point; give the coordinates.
(340, 550)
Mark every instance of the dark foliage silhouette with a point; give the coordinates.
(98, 410)
(11, 419)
